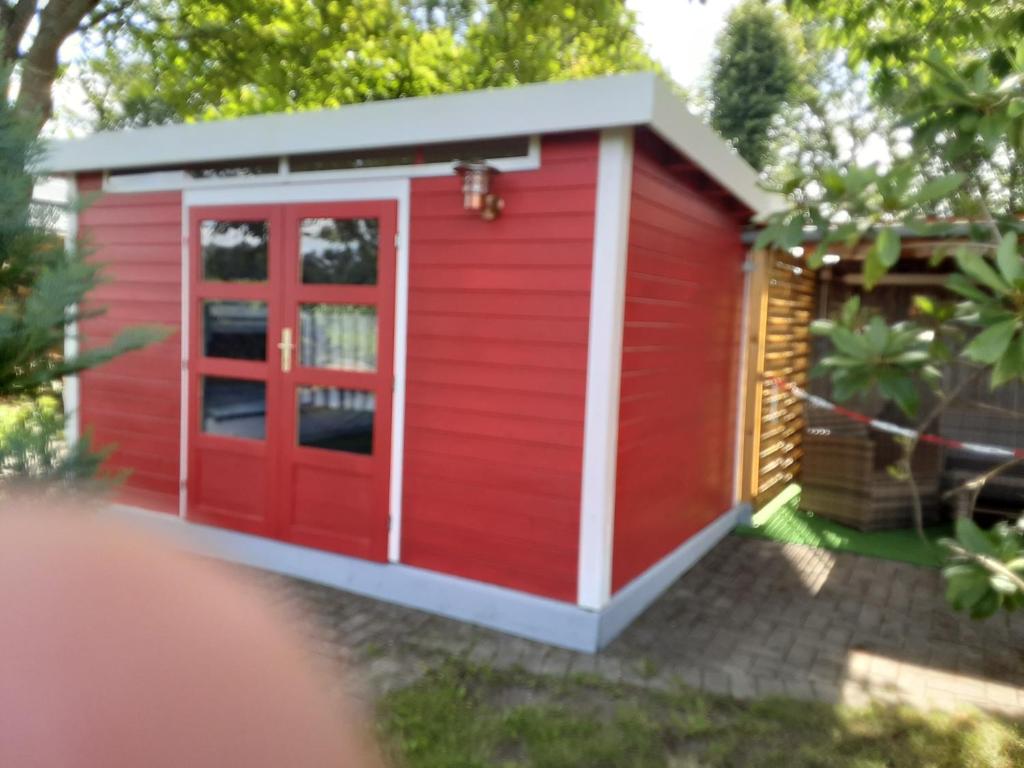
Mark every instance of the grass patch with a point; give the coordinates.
(463, 716)
(783, 520)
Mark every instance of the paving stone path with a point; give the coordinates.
(753, 618)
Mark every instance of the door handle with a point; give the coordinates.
(286, 346)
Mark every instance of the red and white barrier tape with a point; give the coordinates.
(996, 451)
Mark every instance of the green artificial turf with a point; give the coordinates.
(783, 520)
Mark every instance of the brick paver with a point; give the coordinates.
(753, 618)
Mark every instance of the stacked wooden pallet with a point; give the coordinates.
(846, 476)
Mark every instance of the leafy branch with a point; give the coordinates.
(974, 115)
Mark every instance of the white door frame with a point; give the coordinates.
(277, 192)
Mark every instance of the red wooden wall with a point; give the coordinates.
(497, 352)
(681, 343)
(134, 402)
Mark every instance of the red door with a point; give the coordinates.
(291, 372)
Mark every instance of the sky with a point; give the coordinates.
(681, 33)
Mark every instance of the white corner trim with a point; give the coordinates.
(275, 192)
(633, 599)
(604, 366)
(518, 613)
(71, 385)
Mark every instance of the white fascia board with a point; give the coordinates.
(618, 100)
(699, 143)
(636, 99)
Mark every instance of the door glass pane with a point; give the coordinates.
(234, 407)
(235, 329)
(342, 337)
(234, 250)
(336, 419)
(339, 251)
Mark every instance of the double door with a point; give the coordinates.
(290, 372)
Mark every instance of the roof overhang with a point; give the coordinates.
(638, 99)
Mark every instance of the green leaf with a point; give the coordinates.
(973, 538)
(961, 285)
(874, 269)
(1016, 108)
(990, 345)
(1007, 258)
(1002, 584)
(816, 258)
(822, 327)
(924, 304)
(847, 383)
(889, 245)
(766, 237)
(960, 569)
(963, 591)
(1011, 364)
(792, 234)
(849, 343)
(851, 308)
(931, 376)
(912, 357)
(839, 361)
(987, 605)
(877, 335)
(900, 388)
(940, 188)
(975, 266)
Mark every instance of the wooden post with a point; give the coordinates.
(757, 318)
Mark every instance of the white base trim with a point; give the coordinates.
(633, 599)
(506, 610)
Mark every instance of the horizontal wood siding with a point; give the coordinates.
(133, 404)
(497, 353)
(677, 418)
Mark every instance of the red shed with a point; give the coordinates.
(527, 420)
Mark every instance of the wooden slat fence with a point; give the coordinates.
(781, 307)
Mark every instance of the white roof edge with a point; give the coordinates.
(618, 100)
(703, 147)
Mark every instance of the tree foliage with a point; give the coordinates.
(43, 286)
(897, 46)
(754, 76)
(893, 37)
(207, 59)
(964, 104)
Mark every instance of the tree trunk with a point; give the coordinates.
(37, 67)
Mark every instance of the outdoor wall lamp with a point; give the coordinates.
(476, 189)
